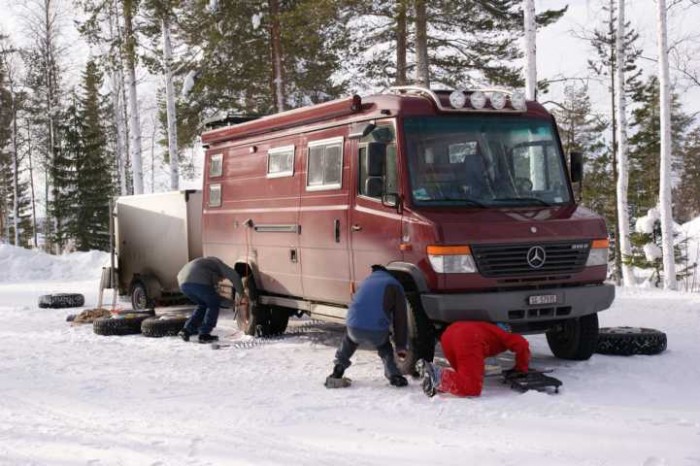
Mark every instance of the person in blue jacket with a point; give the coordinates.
(378, 308)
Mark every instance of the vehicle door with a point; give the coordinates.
(375, 219)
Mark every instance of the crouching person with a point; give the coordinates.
(198, 280)
(466, 345)
(378, 306)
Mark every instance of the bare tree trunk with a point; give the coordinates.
(422, 64)
(170, 106)
(622, 164)
(665, 195)
(31, 185)
(530, 50)
(277, 84)
(15, 160)
(401, 43)
(134, 119)
(117, 96)
(617, 269)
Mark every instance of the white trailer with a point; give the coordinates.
(155, 235)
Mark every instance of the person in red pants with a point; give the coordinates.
(466, 345)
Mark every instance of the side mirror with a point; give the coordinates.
(576, 166)
(390, 199)
(374, 186)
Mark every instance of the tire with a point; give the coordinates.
(279, 319)
(628, 341)
(118, 326)
(576, 339)
(140, 301)
(61, 300)
(163, 326)
(421, 336)
(254, 318)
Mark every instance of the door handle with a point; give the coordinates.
(336, 226)
(356, 228)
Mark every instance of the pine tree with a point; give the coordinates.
(687, 195)
(64, 207)
(469, 42)
(94, 166)
(582, 131)
(644, 145)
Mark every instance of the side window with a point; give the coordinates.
(325, 164)
(280, 162)
(377, 154)
(216, 165)
(215, 195)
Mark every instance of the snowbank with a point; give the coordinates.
(22, 265)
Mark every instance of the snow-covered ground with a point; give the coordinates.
(71, 397)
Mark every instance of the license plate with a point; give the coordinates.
(542, 299)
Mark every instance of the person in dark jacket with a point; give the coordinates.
(378, 306)
(466, 345)
(198, 280)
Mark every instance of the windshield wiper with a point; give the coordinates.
(455, 199)
(518, 199)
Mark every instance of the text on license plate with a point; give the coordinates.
(542, 299)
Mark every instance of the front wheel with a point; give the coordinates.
(576, 339)
(421, 336)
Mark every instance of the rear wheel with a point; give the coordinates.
(279, 319)
(575, 339)
(421, 336)
(253, 318)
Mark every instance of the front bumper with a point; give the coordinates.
(513, 307)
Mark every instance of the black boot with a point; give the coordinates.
(338, 371)
(207, 338)
(398, 381)
(184, 334)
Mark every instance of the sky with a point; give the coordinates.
(71, 397)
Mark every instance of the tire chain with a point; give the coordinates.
(261, 340)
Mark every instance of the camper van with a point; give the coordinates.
(465, 196)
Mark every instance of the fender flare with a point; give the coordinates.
(416, 274)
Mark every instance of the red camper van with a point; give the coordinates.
(465, 196)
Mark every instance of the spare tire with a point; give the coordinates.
(61, 300)
(118, 326)
(627, 341)
(163, 326)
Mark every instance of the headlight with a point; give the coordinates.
(517, 100)
(498, 100)
(451, 259)
(477, 99)
(598, 254)
(458, 99)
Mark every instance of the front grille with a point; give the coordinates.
(499, 260)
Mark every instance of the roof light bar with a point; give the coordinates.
(482, 100)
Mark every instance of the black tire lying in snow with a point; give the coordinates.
(163, 326)
(627, 341)
(118, 326)
(61, 300)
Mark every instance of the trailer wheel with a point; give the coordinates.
(61, 300)
(421, 336)
(627, 341)
(163, 326)
(253, 318)
(576, 339)
(118, 326)
(140, 301)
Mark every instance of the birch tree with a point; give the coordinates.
(129, 8)
(665, 197)
(422, 60)
(622, 164)
(530, 49)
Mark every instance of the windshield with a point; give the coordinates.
(485, 160)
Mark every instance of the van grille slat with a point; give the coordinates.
(497, 260)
